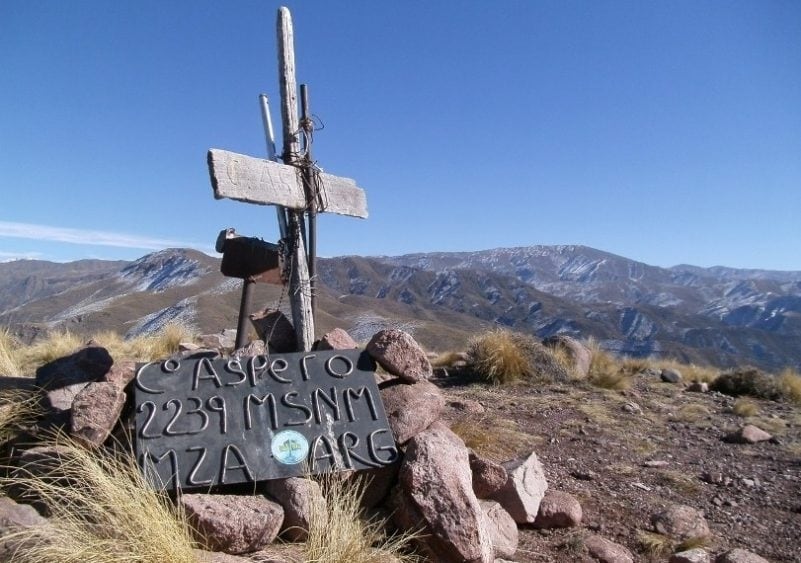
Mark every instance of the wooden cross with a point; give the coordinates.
(264, 182)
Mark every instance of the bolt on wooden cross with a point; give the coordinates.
(265, 182)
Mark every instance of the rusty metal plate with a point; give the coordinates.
(251, 258)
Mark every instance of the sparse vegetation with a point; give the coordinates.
(340, 533)
(8, 344)
(790, 385)
(113, 516)
(745, 408)
(747, 381)
(606, 371)
(495, 439)
(18, 408)
(501, 356)
(653, 544)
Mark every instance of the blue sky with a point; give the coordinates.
(667, 132)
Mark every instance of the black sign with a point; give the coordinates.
(201, 423)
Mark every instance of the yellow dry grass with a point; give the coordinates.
(497, 357)
(18, 408)
(497, 439)
(102, 511)
(8, 362)
(745, 408)
(339, 533)
(789, 382)
(54, 346)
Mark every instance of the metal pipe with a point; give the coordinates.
(270, 138)
(244, 307)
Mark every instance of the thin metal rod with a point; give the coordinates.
(311, 195)
(244, 307)
(270, 138)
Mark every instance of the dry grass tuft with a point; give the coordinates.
(340, 534)
(693, 543)
(789, 382)
(495, 439)
(108, 515)
(8, 361)
(747, 381)
(54, 346)
(18, 409)
(745, 408)
(653, 544)
(692, 412)
(606, 370)
(502, 356)
(447, 359)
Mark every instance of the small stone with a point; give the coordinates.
(488, 476)
(696, 555)
(558, 509)
(502, 528)
(524, 489)
(680, 522)
(748, 434)
(337, 339)
(740, 556)
(670, 375)
(698, 387)
(398, 353)
(607, 551)
(95, 412)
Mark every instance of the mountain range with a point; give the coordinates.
(719, 316)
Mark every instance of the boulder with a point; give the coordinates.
(435, 489)
(300, 498)
(398, 353)
(748, 434)
(275, 330)
(337, 339)
(680, 522)
(411, 408)
(502, 528)
(670, 375)
(696, 555)
(233, 524)
(95, 412)
(607, 551)
(88, 364)
(524, 489)
(558, 509)
(488, 476)
(580, 355)
(740, 556)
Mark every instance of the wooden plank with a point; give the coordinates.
(257, 180)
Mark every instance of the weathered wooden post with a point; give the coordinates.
(295, 186)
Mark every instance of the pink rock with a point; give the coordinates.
(502, 528)
(680, 522)
(411, 408)
(436, 487)
(121, 373)
(300, 498)
(607, 551)
(337, 339)
(524, 488)
(558, 509)
(696, 555)
(60, 400)
(399, 354)
(95, 412)
(233, 524)
(488, 476)
(378, 483)
(740, 556)
(465, 406)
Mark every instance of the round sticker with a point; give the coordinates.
(290, 447)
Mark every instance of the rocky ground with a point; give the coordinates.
(626, 455)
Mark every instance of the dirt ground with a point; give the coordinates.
(627, 454)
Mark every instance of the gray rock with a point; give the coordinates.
(748, 434)
(524, 488)
(607, 551)
(398, 353)
(696, 555)
(502, 528)
(580, 355)
(60, 400)
(698, 387)
(274, 328)
(233, 524)
(670, 375)
(254, 348)
(740, 556)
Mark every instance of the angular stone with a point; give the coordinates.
(740, 556)
(680, 522)
(502, 528)
(580, 355)
(558, 509)
(607, 551)
(83, 366)
(233, 524)
(748, 434)
(670, 375)
(60, 400)
(337, 339)
(411, 408)
(300, 498)
(436, 487)
(696, 555)
(488, 476)
(698, 387)
(254, 348)
(399, 354)
(95, 412)
(14, 516)
(524, 488)
(275, 330)
(121, 373)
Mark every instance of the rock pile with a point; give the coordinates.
(465, 508)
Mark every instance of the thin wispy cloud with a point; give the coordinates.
(93, 238)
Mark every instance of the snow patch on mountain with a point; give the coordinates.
(162, 270)
(183, 313)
